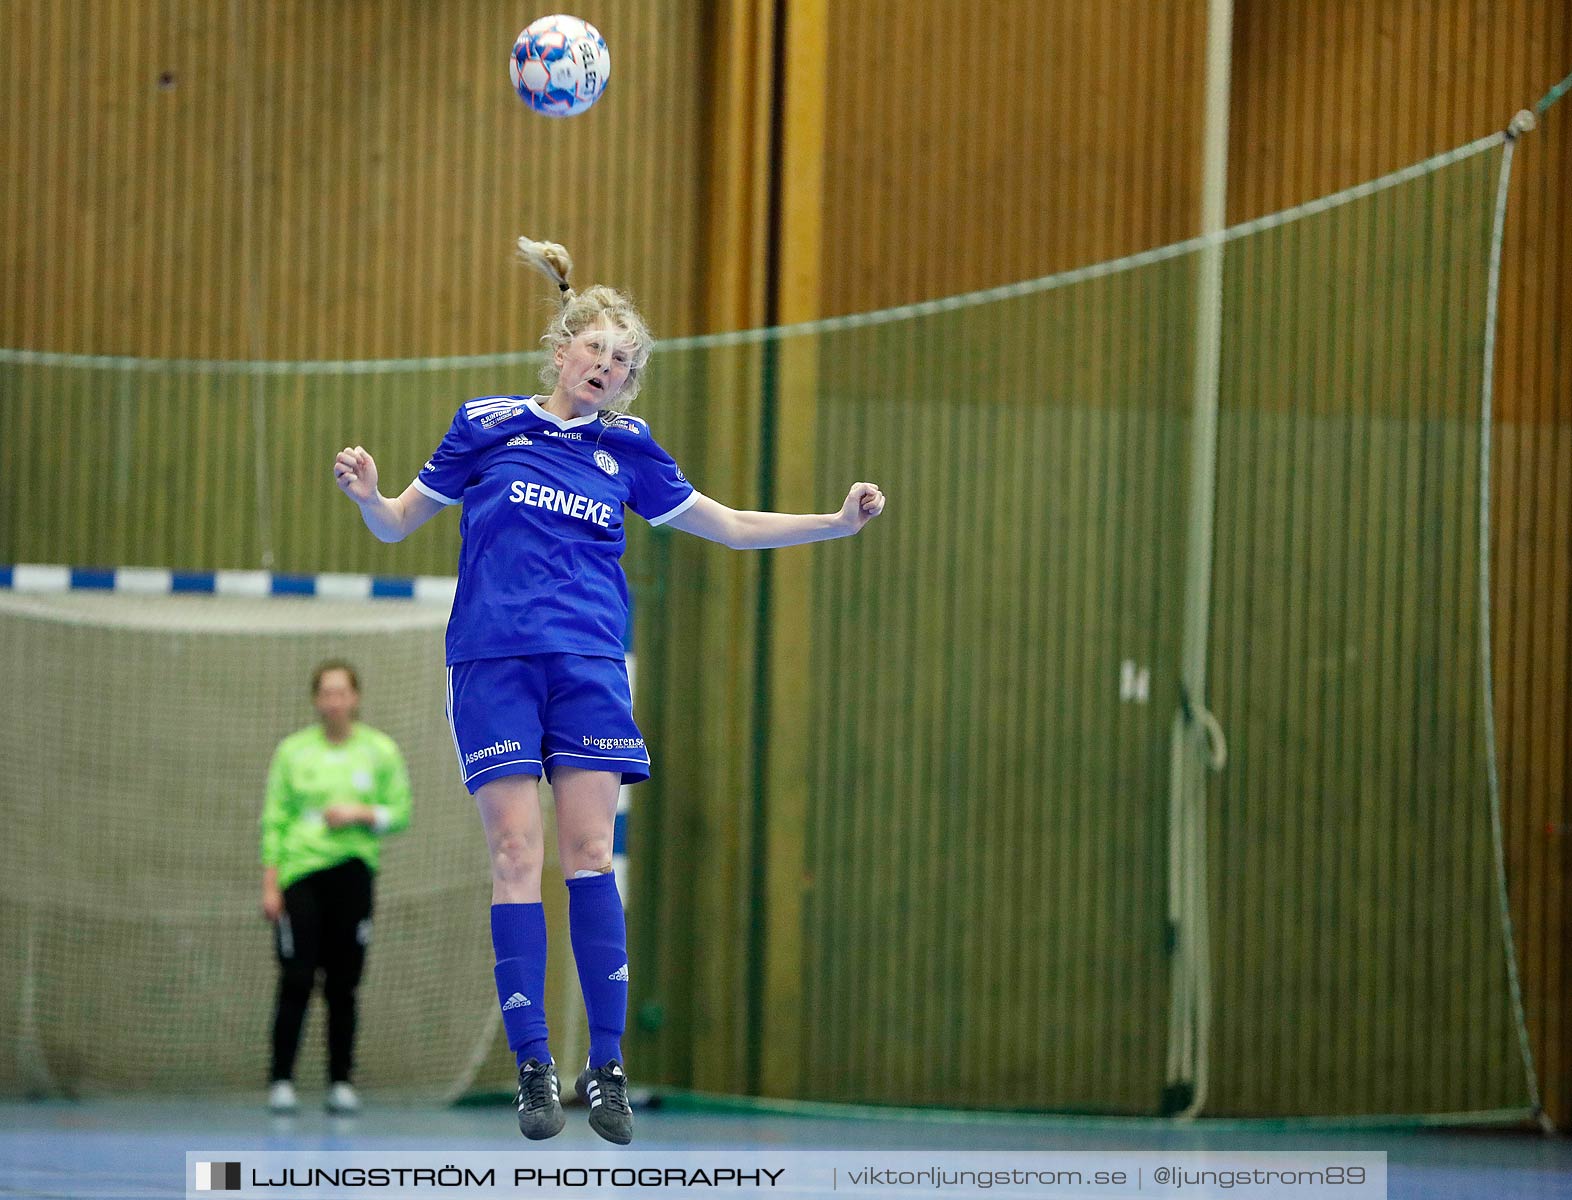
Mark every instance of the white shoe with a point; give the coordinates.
(341, 1098)
(281, 1097)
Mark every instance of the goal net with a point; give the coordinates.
(132, 763)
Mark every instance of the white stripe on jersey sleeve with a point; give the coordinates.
(692, 499)
(475, 409)
(433, 493)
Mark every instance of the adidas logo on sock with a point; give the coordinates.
(620, 975)
(516, 1000)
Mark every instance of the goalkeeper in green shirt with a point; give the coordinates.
(334, 790)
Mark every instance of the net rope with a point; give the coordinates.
(1486, 658)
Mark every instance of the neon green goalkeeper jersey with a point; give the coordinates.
(309, 773)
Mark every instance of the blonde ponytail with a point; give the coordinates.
(551, 260)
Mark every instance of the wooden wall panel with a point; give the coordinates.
(978, 144)
(305, 181)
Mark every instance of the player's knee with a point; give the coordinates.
(589, 853)
(297, 978)
(341, 985)
(515, 856)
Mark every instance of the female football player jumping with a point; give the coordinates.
(537, 681)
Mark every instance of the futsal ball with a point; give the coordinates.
(560, 66)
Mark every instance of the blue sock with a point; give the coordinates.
(600, 948)
(518, 935)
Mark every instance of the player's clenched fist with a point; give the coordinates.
(355, 472)
(864, 502)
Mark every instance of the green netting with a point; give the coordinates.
(990, 677)
(988, 816)
(994, 675)
(1353, 885)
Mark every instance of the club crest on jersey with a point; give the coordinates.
(520, 440)
(605, 462)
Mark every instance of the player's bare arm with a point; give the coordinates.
(746, 530)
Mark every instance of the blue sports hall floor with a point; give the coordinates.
(135, 1148)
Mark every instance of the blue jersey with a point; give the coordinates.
(540, 570)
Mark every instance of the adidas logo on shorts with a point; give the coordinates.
(620, 975)
(516, 1000)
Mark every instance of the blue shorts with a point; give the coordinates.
(525, 716)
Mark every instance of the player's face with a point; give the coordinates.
(595, 364)
(336, 699)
